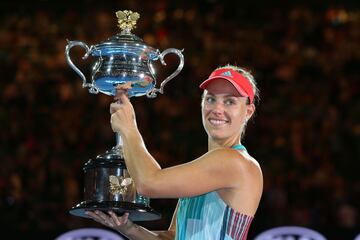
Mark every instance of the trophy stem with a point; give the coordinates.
(117, 150)
(119, 141)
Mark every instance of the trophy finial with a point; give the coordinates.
(127, 20)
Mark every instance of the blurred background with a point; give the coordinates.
(305, 135)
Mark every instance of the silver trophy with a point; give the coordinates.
(122, 59)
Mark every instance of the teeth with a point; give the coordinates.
(217, 122)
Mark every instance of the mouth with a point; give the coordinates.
(217, 122)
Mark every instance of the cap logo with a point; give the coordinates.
(227, 74)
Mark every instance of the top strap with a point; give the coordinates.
(239, 147)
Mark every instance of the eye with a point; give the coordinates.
(229, 101)
(210, 99)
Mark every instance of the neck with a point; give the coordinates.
(228, 143)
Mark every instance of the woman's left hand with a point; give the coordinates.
(118, 223)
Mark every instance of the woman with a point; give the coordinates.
(229, 182)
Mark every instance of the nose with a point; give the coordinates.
(218, 108)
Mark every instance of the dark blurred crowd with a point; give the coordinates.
(306, 132)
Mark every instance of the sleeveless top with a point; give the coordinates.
(208, 217)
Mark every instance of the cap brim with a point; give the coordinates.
(205, 83)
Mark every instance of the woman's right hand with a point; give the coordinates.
(121, 224)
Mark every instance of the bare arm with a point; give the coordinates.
(215, 170)
(212, 171)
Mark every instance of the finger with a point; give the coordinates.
(115, 218)
(122, 89)
(125, 217)
(114, 107)
(119, 93)
(110, 222)
(105, 218)
(118, 220)
(95, 217)
(113, 124)
(124, 86)
(124, 99)
(102, 215)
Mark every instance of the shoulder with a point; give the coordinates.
(241, 158)
(234, 160)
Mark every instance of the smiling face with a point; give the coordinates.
(224, 112)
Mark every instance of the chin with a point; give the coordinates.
(215, 133)
(221, 135)
(218, 136)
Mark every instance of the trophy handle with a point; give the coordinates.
(154, 91)
(91, 86)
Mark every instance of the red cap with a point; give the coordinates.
(239, 81)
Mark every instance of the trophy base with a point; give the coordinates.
(137, 212)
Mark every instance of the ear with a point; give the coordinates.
(250, 109)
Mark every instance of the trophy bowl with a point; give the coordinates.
(124, 58)
(121, 59)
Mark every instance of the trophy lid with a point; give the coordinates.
(126, 42)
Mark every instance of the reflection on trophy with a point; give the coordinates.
(121, 59)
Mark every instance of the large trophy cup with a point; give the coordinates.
(121, 59)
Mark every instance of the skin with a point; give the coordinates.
(235, 175)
